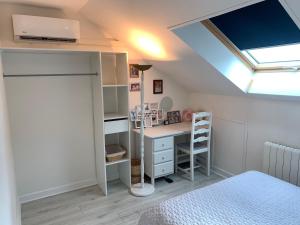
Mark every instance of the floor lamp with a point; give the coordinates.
(142, 189)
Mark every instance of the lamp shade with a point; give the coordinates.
(142, 67)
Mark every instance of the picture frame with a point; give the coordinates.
(160, 114)
(157, 86)
(154, 116)
(135, 86)
(133, 116)
(147, 120)
(153, 106)
(173, 117)
(134, 72)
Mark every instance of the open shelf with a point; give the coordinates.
(113, 116)
(114, 85)
(115, 102)
(117, 162)
(114, 69)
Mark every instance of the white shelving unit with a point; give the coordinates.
(111, 103)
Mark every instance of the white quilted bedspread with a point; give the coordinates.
(250, 198)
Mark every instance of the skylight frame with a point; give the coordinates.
(275, 65)
(246, 58)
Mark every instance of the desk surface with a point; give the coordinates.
(167, 130)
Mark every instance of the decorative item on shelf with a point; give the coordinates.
(114, 152)
(153, 115)
(135, 86)
(166, 105)
(134, 72)
(187, 115)
(173, 117)
(147, 120)
(135, 171)
(157, 86)
(142, 189)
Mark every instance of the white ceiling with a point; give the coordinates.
(73, 5)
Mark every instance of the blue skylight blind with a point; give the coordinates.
(264, 24)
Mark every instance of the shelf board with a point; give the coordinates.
(116, 162)
(114, 85)
(112, 116)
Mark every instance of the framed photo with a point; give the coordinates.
(160, 114)
(174, 117)
(135, 86)
(157, 86)
(153, 106)
(154, 116)
(147, 121)
(134, 72)
(133, 116)
(137, 124)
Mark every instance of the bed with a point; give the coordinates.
(249, 199)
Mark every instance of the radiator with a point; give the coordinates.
(282, 162)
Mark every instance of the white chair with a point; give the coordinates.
(199, 143)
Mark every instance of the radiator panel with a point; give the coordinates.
(282, 162)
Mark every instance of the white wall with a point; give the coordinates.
(170, 88)
(9, 206)
(242, 124)
(51, 120)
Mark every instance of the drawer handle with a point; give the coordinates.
(163, 158)
(163, 145)
(163, 170)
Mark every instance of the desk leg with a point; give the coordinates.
(152, 181)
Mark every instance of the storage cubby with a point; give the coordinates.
(114, 69)
(115, 101)
(120, 139)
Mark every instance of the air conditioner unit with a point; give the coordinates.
(45, 29)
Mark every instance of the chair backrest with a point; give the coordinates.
(201, 129)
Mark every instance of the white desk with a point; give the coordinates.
(159, 148)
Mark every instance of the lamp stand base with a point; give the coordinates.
(139, 191)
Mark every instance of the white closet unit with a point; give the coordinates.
(111, 89)
(64, 107)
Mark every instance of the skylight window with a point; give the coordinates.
(262, 40)
(279, 56)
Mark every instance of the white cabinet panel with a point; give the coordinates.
(163, 143)
(117, 126)
(163, 169)
(163, 156)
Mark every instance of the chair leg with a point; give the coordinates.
(208, 164)
(176, 159)
(192, 166)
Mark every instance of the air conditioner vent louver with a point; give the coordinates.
(33, 38)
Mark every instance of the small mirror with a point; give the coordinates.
(166, 104)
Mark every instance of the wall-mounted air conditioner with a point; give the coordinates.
(45, 29)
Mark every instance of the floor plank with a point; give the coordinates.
(89, 206)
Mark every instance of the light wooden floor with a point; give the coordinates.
(88, 206)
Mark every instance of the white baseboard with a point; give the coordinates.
(56, 190)
(221, 172)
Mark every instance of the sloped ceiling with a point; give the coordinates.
(120, 17)
(73, 5)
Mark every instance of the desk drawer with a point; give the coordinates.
(163, 156)
(164, 169)
(117, 126)
(163, 143)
